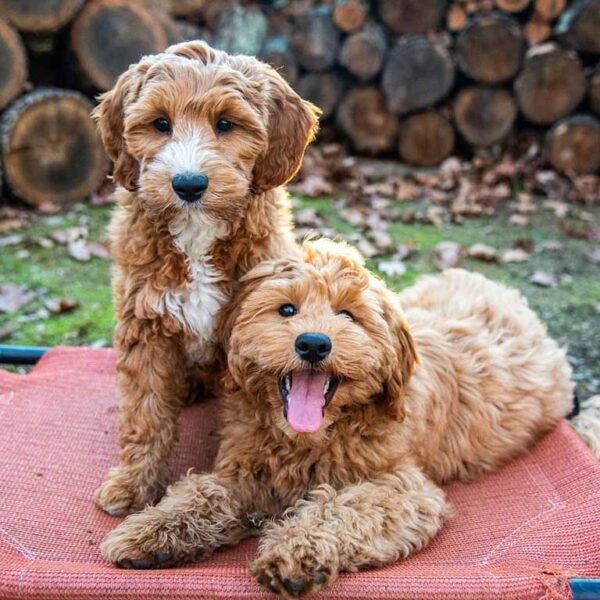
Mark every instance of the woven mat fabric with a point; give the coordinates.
(518, 533)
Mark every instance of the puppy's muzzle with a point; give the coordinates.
(190, 186)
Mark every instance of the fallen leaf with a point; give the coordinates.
(6, 331)
(79, 250)
(11, 240)
(405, 250)
(550, 245)
(594, 255)
(99, 250)
(515, 255)
(366, 248)
(392, 268)
(61, 305)
(13, 297)
(518, 220)
(308, 217)
(354, 216)
(483, 252)
(447, 255)
(543, 279)
(382, 240)
(580, 232)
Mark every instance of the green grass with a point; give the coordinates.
(569, 310)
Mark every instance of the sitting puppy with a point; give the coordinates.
(343, 416)
(201, 142)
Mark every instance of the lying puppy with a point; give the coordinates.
(343, 416)
(201, 142)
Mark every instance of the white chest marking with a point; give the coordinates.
(196, 304)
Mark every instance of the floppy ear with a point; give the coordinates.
(110, 117)
(293, 124)
(404, 357)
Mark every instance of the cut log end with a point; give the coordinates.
(110, 35)
(51, 150)
(579, 26)
(484, 116)
(490, 49)
(551, 84)
(426, 139)
(324, 90)
(418, 73)
(39, 17)
(13, 64)
(362, 53)
(316, 39)
(549, 10)
(364, 118)
(513, 6)
(279, 55)
(573, 145)
(412, 16)
(349, 15)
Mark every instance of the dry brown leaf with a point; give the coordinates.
(99, 250)
(392, 268)
(307, 217)
(593, 255)
(483, 252)
(543, 279)
(366, 248)
(11, 240)
(518, 220)
(515, 255)
(447, 255)
(13, 297)
(61, 305)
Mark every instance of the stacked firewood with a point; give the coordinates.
(414, 79)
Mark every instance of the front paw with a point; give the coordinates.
(294, 561)
(150, 539)
(123, 493)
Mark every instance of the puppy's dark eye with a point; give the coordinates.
(162, 125)
(224, 125)
(287, 310)
(347, 313)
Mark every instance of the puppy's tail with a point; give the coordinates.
(587, 424)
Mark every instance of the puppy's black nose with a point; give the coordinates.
(190, 186)
(313, 347)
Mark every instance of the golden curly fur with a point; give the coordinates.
(177, 263)
(460, 382)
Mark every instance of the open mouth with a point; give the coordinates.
(305, 395)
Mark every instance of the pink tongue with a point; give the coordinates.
(306, 401)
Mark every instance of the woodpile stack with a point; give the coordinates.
(414, 79)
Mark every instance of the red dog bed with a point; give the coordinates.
(519, 533)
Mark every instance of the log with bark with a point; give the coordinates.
(13, 64)
(573, 145)
(551, 84)
(363, 52)
(579, 26)
(412, 16)
(349, 15)
(41, 15)
(484, 116)
(364, 118)
(51, 150)
(418, 73)
(110, 35)
(324, 90)
(426, 139)
(490, 48)
(187, 9)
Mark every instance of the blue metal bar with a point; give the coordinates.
(585, 589)
(21, 355)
